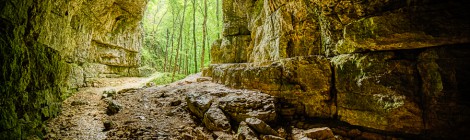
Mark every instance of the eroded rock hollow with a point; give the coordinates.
(50, 48)
(393, 66)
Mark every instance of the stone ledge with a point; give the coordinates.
(302, 81)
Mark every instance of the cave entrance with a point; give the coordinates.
(179, 34)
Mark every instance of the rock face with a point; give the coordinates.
(308, 78)
(394, 66)
(50, 48)
(378, 91)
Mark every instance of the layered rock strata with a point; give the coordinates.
(392, 66)
(51, 48)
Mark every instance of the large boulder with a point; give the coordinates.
(303, 81)
(240, 106)
(215, 120)
(199, 103)
(244, 132)
(260, 126)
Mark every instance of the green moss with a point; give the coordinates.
(32, 81)
(258, 7)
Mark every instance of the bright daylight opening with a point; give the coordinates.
(178, 36)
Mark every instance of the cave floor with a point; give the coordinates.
(152, 112)
(157, 112)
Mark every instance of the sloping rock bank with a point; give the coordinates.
(245, 114)
(389, 66)
(193, 108)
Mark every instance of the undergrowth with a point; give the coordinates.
(166, 78)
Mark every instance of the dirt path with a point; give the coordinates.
(83, 114)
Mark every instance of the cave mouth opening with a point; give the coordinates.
(178, 35)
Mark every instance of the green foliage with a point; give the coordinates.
(161, 24)
(166, 78)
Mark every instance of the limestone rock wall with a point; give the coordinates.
(396, 66)
(50, 48)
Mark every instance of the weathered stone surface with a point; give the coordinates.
(44, 46)
(220, 135)
(33, 77)
(314, 133)
(260, 126)
(297, 134)
(310, 81)
(231, 49)
(445, 73)
(350, 26)
(244, 132)
(389, 73)
(235, 18)
(240, 106)
(282, 29)
(296, 80)
(399, 29)
(77, 77)
(203, 79)
(319, 133)
(378, 91)
(113, 107)
(215, 120)
(199, 103)
(271, 137)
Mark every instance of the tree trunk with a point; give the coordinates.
(204, 34)
(217, 14)
(209, 46)
(171, 49)
(194, 36)
(166, 49)
(179, 41)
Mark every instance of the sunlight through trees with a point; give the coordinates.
(179, 34)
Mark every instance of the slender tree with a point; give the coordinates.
(194, 36)
(175, 12)
(166, 49)
(217, 17)
(204, 34)
(179, 41)
(171, 48)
